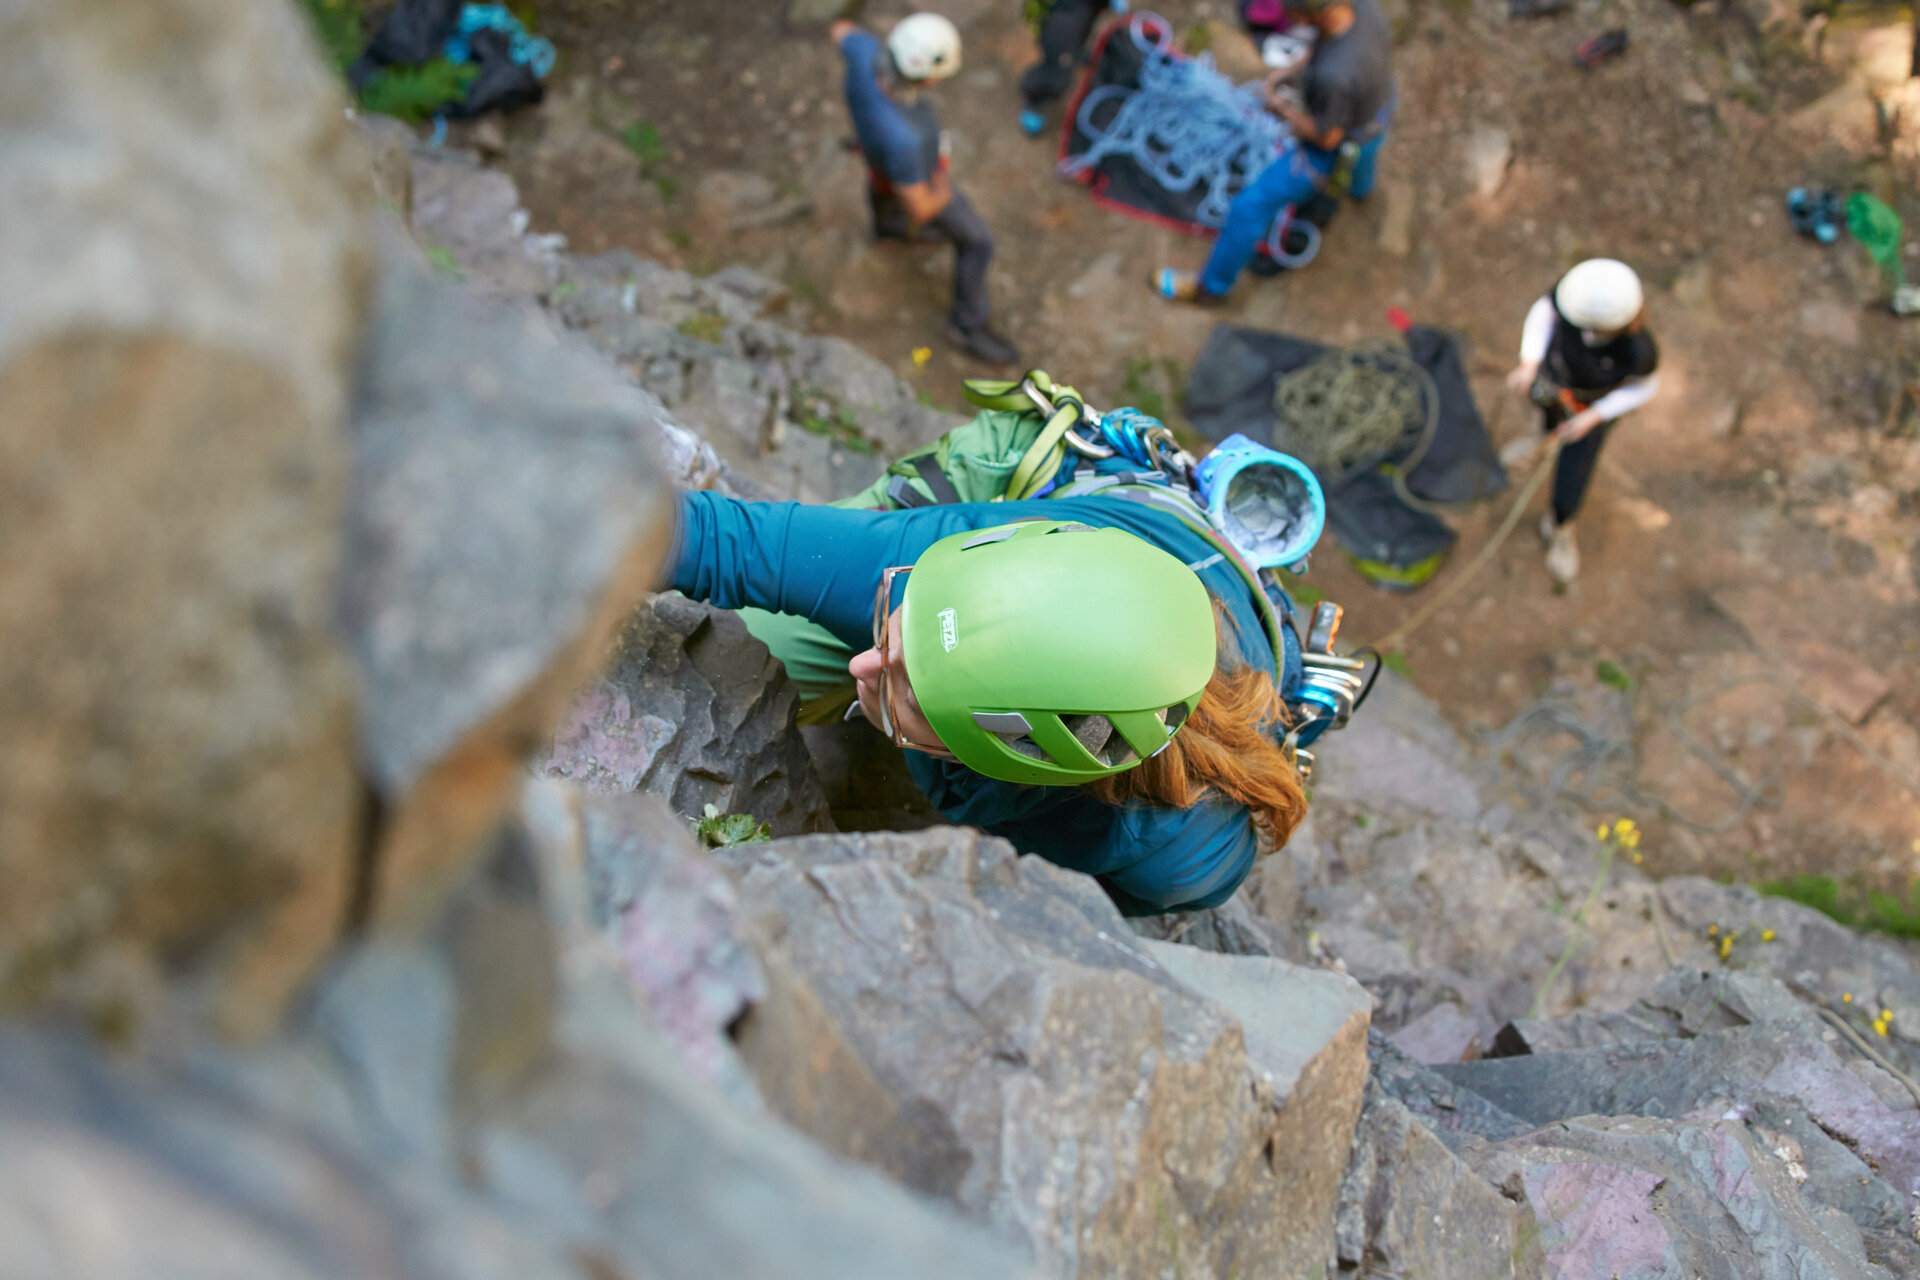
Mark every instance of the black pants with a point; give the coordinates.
(1573, 471)
(1063, 34)
(959, 223)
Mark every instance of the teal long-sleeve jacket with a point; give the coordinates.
(824, 564)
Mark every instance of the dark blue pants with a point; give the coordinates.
(1295, 174)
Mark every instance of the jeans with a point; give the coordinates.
(1295, 174)
(1063, 33)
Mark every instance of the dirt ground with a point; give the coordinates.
(1776, 477)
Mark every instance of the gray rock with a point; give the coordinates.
(387, 1014)
(695, 710)
(1410, 1207)
(507, 514)
(688, 1187)
(180, 282)
(1686, 1002)
(1819, 960)
(1233, 928)
(111, 1171)
(1013, 1048)
(1721, 1071)
(1456, 1114)
(670, 911)
(1444, 1033)
(1642, 1198)
(389, 148)
(1399, 754)
(472, 214)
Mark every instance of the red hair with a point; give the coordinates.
(1226, 746)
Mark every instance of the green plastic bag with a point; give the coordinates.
(1875, 225)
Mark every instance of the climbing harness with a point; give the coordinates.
(1187, 126)
(1059, 464)
(1351, 408)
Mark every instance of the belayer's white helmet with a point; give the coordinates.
(1600, 293)
(925, 46)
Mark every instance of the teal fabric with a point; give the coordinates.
(823, 564)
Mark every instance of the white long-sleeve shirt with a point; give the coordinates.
(1537, 333)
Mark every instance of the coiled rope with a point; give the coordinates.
(1351, 408)
(1186, 125)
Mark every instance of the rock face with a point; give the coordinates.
(694, 710)
(178, 293)
(793, 415)
(810, 418)
(507, 516)
(986, 1029)
(357, 1144)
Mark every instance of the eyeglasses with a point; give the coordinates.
(889, 717)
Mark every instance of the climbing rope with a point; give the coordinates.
(1350, 408)
(1186, 125)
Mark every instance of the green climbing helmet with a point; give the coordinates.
(1054, 653)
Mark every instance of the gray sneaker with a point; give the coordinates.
(1563, 554)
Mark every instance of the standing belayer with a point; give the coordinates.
(908, 183)
(1586, 358)
(1337, 105)
(1062, 27)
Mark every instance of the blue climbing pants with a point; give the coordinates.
(1295, 174)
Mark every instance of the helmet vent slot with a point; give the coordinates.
(1173, 717)
(1096, 733)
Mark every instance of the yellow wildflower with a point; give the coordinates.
(1880, 1026)
(1638, 859)
(921, 355)
(1602, 831)
(1726, 946)
(1846, 997)
(1713, 931)
(1767, 935)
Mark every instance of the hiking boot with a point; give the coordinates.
(984, 344)
(1563, 555)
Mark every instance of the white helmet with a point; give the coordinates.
(1599, 293)
(925, 46)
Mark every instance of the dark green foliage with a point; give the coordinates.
(717, 830)
(643, 140)
(406, 93)
(415, 93)
(340, 28)
(1853, 905)
(1611, 673)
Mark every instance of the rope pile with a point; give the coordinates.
(1186, 125)
(1350, 409)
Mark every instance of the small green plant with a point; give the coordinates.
(1396, 662)
(925, 398)
(1139, 388)
(442, 260)
(705, 327)
(1304, 593)
(415, 93)
(565, 289)
(1610, 672)
(1854, 905)
(643, 139)
(717, 830)
(832, 421)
